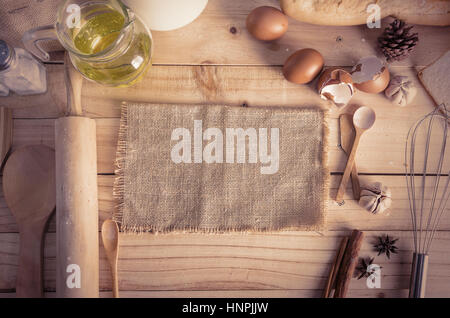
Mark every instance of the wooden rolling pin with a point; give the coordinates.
(77, 245)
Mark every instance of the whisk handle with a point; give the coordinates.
(418, 276)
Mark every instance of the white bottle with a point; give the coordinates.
(20, 72)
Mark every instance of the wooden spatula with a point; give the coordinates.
(347, 132)
(29, 190)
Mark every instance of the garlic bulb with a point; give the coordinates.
(375, 198)
(401, 91)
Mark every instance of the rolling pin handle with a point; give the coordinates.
(74, 83)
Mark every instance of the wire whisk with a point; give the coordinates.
(427, 179)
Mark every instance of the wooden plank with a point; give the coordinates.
(235, 85)
(351, 215)
(283, 293)
(52, 104)
(253, 86)
(210, 38)
(252, 261)
(381, 150)
(291, 293)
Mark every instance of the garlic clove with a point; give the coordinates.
(368, 202)
(383, 205)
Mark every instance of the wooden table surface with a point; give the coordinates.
(215, 60)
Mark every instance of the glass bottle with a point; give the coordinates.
(20, 72)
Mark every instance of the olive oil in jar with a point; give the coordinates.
(111, 51)
(99, 32)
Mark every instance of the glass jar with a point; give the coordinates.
(20, 72)
(106, 41)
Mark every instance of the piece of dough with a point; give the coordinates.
(354, 12)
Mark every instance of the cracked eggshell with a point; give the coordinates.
(376, 198)
(370, 75)
(336, 84)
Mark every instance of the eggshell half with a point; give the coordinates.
(336, 84)
(377, 85)
(370, 75)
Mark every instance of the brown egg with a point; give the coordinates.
(303, 66)
(267, 23)
(370, 75)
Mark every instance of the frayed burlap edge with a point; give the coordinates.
(118, 188)
(121, 154)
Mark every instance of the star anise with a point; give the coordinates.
(363, 269)
(386, 246)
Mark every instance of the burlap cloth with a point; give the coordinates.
(18, 16)
(156, 194)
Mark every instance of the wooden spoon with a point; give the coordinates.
(363, 120)
(30, 191)
(110, 237)
(347, 134)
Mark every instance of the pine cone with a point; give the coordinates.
(396, 42)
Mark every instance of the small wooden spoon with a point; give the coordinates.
(363, 120)
(110, 237)
(30, 192)
(347, 134)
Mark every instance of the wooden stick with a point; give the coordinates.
(74, 83)
(335, 268)
(356, 187)
(348, 264)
